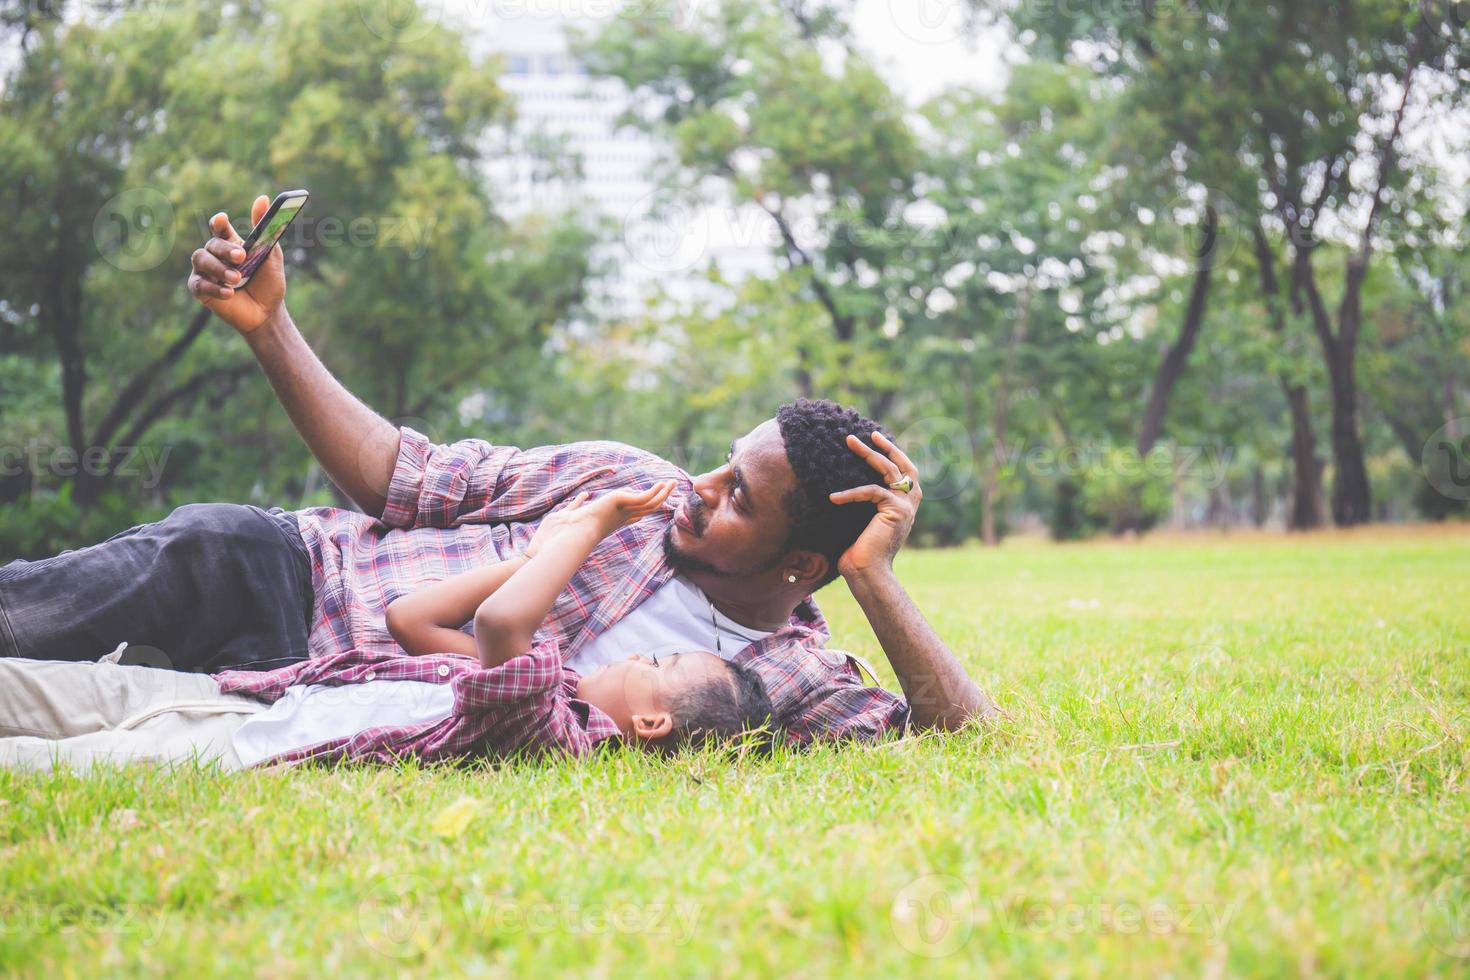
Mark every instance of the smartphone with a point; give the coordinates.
(272, 226)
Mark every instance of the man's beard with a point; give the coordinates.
(684, 563)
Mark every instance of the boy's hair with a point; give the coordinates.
(815, 432)
(721, 708)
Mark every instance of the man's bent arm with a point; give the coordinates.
(939, 691)
(356, 446)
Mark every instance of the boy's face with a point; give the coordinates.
(636, 693)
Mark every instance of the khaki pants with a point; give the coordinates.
(80, 714)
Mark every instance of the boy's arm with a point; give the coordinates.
(507, 620)
(428, 620)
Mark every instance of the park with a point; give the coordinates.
(744, 488)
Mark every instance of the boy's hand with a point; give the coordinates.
(213, 275)
(602, 516)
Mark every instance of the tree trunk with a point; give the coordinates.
(1171, 368)
(61, 312)
(1306, 510)
(1352, 494)
(1352, 497)
(1259, 508)
(1000, 416)
(1307, 507)
(1449, 406)
(978, 463)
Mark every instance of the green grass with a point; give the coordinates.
(1224, 756)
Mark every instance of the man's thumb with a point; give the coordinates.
(258, 209)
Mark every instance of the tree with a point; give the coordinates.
(1306, 106)
(122, 131)
(1416, 368)
(770, 100)
(1010, 299)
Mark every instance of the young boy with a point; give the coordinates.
(452, 694)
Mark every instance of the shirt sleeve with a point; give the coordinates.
(475, 482)
(435, 486)
(848, 711)
(530, 706)
(534, 676)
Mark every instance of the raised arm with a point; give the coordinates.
(939, 691)
(356, 446)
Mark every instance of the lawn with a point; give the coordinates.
(1223, 756)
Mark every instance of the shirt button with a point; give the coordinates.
(372, 675)
(443, 670)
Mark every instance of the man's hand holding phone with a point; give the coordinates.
(242, 298)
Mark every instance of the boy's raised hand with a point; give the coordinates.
(602, 516)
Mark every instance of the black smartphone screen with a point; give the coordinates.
(263, 237)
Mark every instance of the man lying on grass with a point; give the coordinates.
(728, 563)
(496, 692)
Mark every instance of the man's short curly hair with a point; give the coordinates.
(815, 432)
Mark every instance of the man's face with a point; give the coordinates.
(735, 522)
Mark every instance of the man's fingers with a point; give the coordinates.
(205, 290)
(258, 209)
(872, 493)
(209, 266)
(220, 225)
(897, 455)
(225, 251)
(882, 464)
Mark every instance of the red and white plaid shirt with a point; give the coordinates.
(452, 508)
(528, 703)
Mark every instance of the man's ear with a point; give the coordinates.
(653, 726)
(808, 567)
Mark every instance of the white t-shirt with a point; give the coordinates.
(308, 715)
(675, 619)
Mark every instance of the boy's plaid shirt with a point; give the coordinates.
(454, 507)
(527, 704)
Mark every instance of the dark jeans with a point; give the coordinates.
(209, 587)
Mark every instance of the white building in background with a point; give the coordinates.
(562, 113)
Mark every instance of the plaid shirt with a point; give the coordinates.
(454, 507)
(528, 703)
